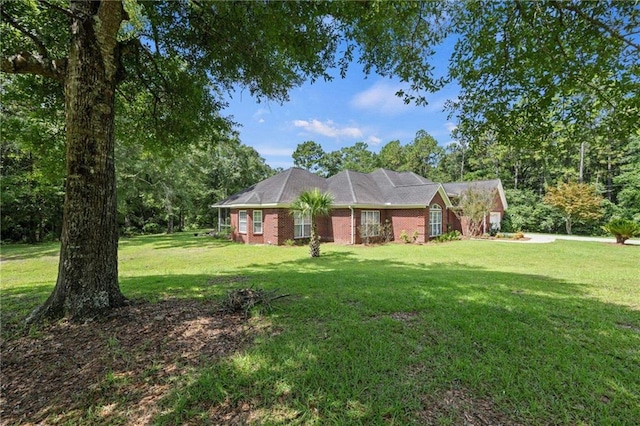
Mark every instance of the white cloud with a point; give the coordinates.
(374, 140)
(328, 128)
(381, 97)
(450, 126)
(261, 112)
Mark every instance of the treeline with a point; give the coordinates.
(162, 187)
(155, 193)
(170, 185)
(167, 192)
(169, 168)
(611, 166)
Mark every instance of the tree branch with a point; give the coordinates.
(57, 8)
(599, 24)
(15, 24)
(29, 63)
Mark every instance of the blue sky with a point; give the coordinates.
(338, 113)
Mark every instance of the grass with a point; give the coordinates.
(546, 333)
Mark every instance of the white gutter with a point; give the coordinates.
(352, 226)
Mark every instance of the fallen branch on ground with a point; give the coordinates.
(246, 299)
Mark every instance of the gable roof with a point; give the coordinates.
(381, 188)
(282, 188)
(454, 189)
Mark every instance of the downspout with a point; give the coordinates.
(352, 226)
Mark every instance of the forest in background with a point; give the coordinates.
(549, 94)
(171, 189)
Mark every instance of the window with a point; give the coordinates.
(242, 221)
(301, 225)
(257, 221)
(494, 220)
(370, 223)
(435, 220)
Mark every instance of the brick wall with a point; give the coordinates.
(462, 224)
(285, 226)
(270, 224)
(340, 225)
(453, 221)
(270, 227)
(277, 224)
(437, 199)
(409, 220)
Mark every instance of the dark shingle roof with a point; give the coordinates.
(349, 187)
(398, 178)
(282, 188)
(379, 188)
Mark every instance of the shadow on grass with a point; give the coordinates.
(177, 240)
(28, 251)
(9, 252)
(363, 341)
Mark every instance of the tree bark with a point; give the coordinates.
(87, 282)
(314, 241)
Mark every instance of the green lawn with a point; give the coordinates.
(542, 333)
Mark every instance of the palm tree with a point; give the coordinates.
(313, 203)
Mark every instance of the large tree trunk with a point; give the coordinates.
(87, 282)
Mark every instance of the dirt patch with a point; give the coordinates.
(458, 407)
(124, 364)
(628, 327)
(223, 280)
(404, 317)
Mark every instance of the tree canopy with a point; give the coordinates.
(576, 201)
(543, 62)
(133, 73)
(164, 65)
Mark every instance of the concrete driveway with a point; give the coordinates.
(549, 238)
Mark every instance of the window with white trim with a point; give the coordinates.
(494, 220)
(435, 220)
(242, 221)
(257, 221)
(370, 223)
(301, 225)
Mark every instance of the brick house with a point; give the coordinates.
(362, 204)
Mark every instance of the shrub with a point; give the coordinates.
(518, 236)
(622, 229)
(289, 242)
(387, 231)
(404, 237)
(449, 236)
(224, 234)
(527, 213)
(151, 228)
(376, 233)
(130, 231)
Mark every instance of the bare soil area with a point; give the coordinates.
(115, 369)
